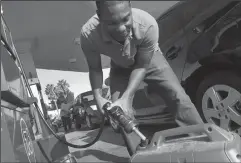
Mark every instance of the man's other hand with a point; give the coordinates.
(100, 103)
(125, 104)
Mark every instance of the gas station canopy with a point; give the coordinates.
(49, 30)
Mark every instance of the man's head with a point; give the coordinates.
(115, 17)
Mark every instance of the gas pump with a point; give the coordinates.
(24, 135)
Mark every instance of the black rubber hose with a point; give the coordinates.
(46, 123)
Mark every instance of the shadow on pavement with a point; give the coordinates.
(149, 130)
(113, 138)
(103, 156)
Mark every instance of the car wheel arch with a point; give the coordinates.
(208, 65)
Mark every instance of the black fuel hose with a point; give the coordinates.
(46, 123)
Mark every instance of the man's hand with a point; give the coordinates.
(100, 103)
(126, 105)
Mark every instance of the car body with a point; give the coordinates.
(78, 115)
(90, 114)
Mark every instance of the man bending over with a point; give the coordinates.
(129, 36)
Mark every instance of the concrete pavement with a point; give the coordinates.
(109, 148)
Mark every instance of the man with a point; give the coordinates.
(129, 37)
(65, 115)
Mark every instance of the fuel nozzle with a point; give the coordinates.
(124, 121)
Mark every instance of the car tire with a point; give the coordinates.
(225, 113)
(89, 122)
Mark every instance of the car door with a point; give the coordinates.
(149, 107)
(171, 37)
(173, 41)
(198, 17)
(174, 45)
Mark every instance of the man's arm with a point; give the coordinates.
(144, 55)
(94, 63)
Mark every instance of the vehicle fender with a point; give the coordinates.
(207, 66)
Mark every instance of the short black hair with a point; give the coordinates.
(98, 3)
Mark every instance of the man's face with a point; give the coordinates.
(116, 19)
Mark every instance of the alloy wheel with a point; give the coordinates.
(221, 105)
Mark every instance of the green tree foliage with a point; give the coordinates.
(62, 87)
(50, 91)
(59, 93)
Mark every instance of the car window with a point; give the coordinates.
(230, 12)
(179, 16)
(193, 9)
(88, 97)
(169, 22)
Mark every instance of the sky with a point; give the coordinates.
(78, 81)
